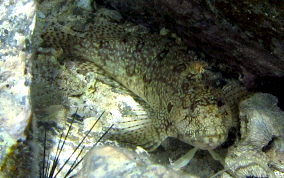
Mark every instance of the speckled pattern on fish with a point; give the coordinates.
(183, 102)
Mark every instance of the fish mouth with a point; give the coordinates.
(208, 142)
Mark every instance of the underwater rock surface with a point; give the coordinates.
(17, 20)
(259, 152)
(245, 34)
(110, 161)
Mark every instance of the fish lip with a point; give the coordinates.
(204, 146)
(211, 141)
(207, 142)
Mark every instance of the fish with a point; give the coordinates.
(179, 90)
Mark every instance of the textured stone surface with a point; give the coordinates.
(260, 149)
(17, 20)
(261, 120)
(246, 34)
(109, 161)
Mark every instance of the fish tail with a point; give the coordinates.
(234, 93)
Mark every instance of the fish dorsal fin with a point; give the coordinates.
(106, 32)
(59, 37)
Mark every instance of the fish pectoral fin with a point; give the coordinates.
(185, 159)
(139, 132)
(217, 157)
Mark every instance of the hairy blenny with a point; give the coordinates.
(183, 101)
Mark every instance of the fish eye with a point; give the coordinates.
(220, 103)
(220, 83)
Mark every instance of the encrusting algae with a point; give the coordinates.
(183, 98)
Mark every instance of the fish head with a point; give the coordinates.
(205, 124)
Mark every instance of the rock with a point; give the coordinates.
(245, 161)
(17, 20)
(261, 120)
(111, 161)
(85, 4)
(262, 125)
(106, 15)
(248, 35)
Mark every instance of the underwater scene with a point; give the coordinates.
(123, 88)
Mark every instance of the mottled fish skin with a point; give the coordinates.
(181, 102)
